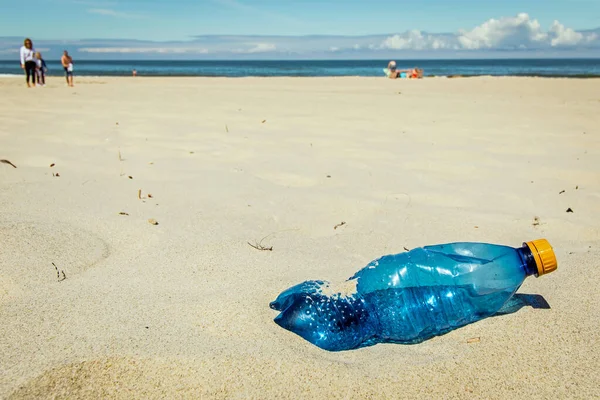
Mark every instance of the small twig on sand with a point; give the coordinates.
(120, 158)
(59, 273)
(340, 224)
(226, 129)
(8, 162)
(139, 194)
(259, 245)
(406, 249)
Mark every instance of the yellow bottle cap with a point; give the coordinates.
(544, 256)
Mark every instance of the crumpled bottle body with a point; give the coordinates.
(404, 298)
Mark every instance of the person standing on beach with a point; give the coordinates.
(41, 69)
(28, 61)
(67, 63)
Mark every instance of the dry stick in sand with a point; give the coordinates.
(259, 246)
(340, 224)
(60, 279)
(149, 195)
(8, 162)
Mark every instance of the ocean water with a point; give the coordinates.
(506, 67)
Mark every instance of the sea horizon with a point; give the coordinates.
(532, 67)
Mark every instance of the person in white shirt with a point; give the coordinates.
(28, 61)
(41, 69)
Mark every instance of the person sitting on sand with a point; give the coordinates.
(414, 73)
(392, 67)
(67, 63)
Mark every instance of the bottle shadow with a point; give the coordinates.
(521, 300)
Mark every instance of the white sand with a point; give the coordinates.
(181, 309)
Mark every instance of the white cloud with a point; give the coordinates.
(509, 33)
(111, 13)
(160, 50)
(505, 33)
(416, 40)
(103, 11)
(258, 48)
(565, 36)
(517, 34)
(16, 50)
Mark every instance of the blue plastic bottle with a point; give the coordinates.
(413, 296)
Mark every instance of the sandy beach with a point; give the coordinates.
(181, 309)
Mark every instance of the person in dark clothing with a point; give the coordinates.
(28, 61)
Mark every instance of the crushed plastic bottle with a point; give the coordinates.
(411, 297)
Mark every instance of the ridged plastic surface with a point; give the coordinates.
(404, 298)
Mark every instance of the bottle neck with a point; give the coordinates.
(528, 261)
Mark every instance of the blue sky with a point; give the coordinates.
(356, 28)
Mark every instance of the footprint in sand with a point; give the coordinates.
(115, 378)
(30, 248)
(288, 179)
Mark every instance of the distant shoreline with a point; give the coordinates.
(142, 76)
(552, 68)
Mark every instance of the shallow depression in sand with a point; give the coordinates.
(30, 248)
(288, 179)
